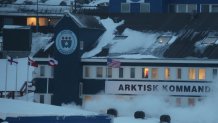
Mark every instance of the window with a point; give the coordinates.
(52, 72)
(154, 73)
(144, 7)
(1, 46)
(125, 8)
(109, 72)
(41, 98)
(181, 8)
(191, 101)
(120, 72)
(31, 21)
(8, 21)
(99, 72)
(81, 45)
(205, 8)
(209, 40)
(172, 8)
(167, 73)
(87, 72)
(214, 8)
(179, 73)
(42, 70)
(132, 72)
(164, 39)
(178, 101)
(191, 73)
(214, 73)
(201, 74)
(191, 8)
(145, 72)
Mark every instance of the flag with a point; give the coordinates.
(52, 62)
(11, 60)
(113, 63)
(32, 62)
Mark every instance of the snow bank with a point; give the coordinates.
(23, 108)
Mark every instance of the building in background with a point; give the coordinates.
(163, 6)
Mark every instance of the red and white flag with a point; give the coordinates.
(11, 60)
(31, 62)
(52, 62)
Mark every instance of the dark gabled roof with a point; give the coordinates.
(189, 28)
(170, 21)
(86, 21)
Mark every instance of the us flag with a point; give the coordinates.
(113, 63)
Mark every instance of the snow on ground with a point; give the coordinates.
(203, 112)
(24, 108)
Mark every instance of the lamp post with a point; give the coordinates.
(37, 16)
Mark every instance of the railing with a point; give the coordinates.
(42, 9)
(1, 46)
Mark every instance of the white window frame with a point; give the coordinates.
(210, 8)
(126, 11)
(186, 8)
(146, 4)
(102, 74)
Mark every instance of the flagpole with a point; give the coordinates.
(107, 69)
(6, 78)
(16, 76)
(47, 79)
(27, 79)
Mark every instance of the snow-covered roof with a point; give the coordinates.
(15, 27)
(85, 21)
(173, 36)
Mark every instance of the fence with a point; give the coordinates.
(60, 119)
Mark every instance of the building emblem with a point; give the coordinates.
(66, 42)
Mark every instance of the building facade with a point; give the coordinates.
(163, 6)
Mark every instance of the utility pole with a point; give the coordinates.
(37, 16)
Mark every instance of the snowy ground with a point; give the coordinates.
(205, 112)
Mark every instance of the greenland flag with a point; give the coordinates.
(135, 1)
(52, 62)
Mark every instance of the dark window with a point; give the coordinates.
(99, 72)
(179, 73)
(132, 72)
(87, 72)
(120, 72)
(172, 8)
(42, 70)
(205, 8)
(214, 8)
(214, 73)
(109, 72)
(41, 100)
